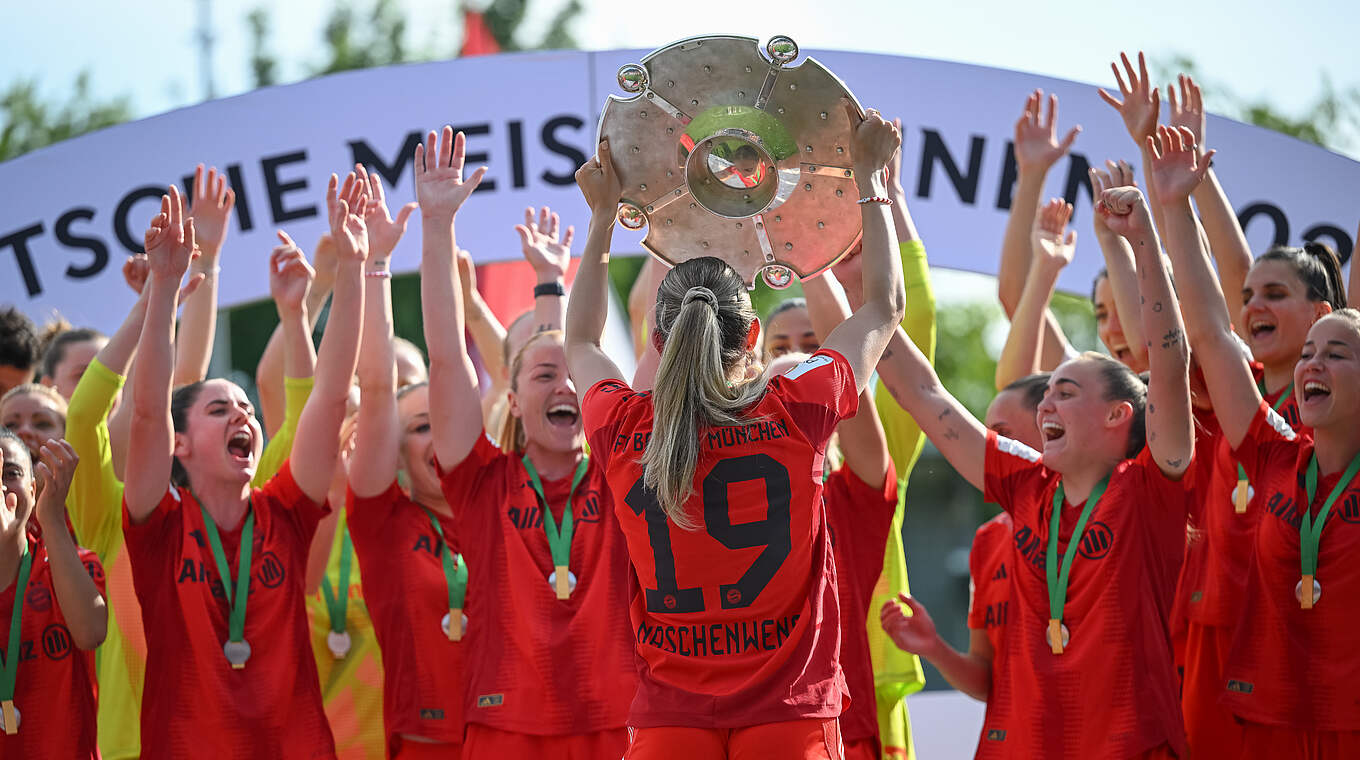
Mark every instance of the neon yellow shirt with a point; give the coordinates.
(94, 504)
(351, 689)
(898, 673)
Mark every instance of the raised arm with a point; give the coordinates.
(970, 673)
(210, 209)
(378, 436)
(548, 251)
(271, 379)
(589, 305)
(862, 439)
(488, 334)
(1226, 241)
(455, 408)
(1170, 426)
(1119, 262)
(1037, 149)
(1231, 387)
(319, 426)
(862, 338)
(1139, 109)
(169, 249)
(641, 302)
(81, 603)
(1021, 355)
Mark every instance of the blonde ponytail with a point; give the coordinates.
(704, 314)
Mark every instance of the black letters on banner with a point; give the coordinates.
(935, 150)
(516, 154)
(1341, 242)
(120, 215)
(1277, 216)
(18, 240)
(272, 185)
(233, 173)
(363, 153)
(555, 146)
(95, 246)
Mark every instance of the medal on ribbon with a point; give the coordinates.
(1057, 635)
(454, 622)
(1308, 590)
(236, 649)
(337, 605)
(9, 671)
(561, 579)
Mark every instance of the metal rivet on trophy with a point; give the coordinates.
(713, 131)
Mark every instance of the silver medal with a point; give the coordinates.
(1251, 492)
(237, 653)
(1066, 635)
(444, 624)
(339, 643)
(18, 719)
(1317, 591)
(571, 581)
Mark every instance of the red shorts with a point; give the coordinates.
(1211, 730)
(862, 749)
(1281, 743)
(1163, 752)
(810, 739)
(487, 743)
(403, 749)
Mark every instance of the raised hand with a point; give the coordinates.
(467, 271)
(548, 254)
(1188, 110)
(384, 232)
(135, 272)
(347, 226)
(912, 633)
(170, 240)
(1120, 174)
(54, 470)
(1047, 237)
(1126, 212)
(290, 276)
(1142, 101)
(599, 182)
(1037, 146)
(11, 522)
(1176, 168)
(895, 166)
(440, 187)
(874, 140)
(211, 208)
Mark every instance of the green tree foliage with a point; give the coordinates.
(263, 65)
(357, 40)
(504, 18)
(28, 122)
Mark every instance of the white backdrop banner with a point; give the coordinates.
(73, 211)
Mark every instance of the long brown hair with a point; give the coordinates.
(704, 315)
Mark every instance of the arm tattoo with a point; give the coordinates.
(951, 434)
(1172, 337)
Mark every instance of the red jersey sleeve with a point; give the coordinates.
(1012, 471)
(984, 560)
(304, 513)
(465, 482)
(600, 412)
(160, 529)
(819, 393)
(1269, 441)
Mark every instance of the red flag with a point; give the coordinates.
(477, 36)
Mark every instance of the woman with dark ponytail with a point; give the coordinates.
(717, 481)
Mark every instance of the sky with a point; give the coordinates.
(148, 49)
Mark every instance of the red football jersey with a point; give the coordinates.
(54, 684)
(990, 564)
(1228, 536)
(540, 665)
(736, 622)
(402, 570)
(859, 516)
(193, 697)
(1114, 691)
(1290, 666)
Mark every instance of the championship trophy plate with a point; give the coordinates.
(724, 149)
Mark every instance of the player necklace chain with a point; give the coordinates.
(1308, 590)
(337, 605)
(561, 580)
(454, 623)
(1243, 493)
(9, 714)
(237, 649)
(1057, 634)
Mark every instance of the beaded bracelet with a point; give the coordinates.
(875, 199)
(382, 274)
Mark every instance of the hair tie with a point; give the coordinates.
(700, 293)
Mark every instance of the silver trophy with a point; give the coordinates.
(723, 151)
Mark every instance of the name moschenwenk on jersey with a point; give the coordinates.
(718, 639)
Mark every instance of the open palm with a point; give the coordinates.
(440, 187)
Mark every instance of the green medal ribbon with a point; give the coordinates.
(1057, 577)
(338, 604)
(1310, 531)
(559, 539)
(455, 579)
(11, 662)
(237, 624)
(1240, 495)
